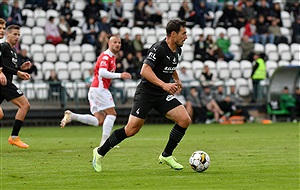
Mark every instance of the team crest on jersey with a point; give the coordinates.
(103, 63)
(105, 58)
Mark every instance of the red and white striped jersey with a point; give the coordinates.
(106, 60)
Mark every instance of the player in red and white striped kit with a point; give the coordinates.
(102, 105)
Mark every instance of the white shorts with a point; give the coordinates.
(100, 99)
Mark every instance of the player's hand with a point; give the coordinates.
(3, 80)
(26, 65)
(179, 84)
(23, 75)
(170, 87)
(125, 75)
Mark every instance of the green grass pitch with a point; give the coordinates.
(249, 156)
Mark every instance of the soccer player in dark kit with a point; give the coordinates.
(156, 92)
(9, 91)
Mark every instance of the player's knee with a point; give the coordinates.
(185, 121)
(100, 122)
(1, 115)
(26, 106)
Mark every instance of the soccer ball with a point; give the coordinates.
(199, 161)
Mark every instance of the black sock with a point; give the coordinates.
(176, 135)
(17, 127)
(115, 138)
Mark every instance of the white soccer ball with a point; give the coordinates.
(199, 161)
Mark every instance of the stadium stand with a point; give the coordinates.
(73, 61)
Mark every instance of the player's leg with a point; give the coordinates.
(24, 106)
(179, 115)
(1, 113)
(133, 126)
(88, 119)
(96, 107)
(108, 123)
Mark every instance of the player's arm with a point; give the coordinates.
(148, 74)
(177, 80)
(3, 80)
(104, 73)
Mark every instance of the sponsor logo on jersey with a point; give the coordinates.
(151, 56)
(169, 69)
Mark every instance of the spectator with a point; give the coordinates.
(288, 102)
(250, 30)
(241, 21)
(56, 88)
(117, 15)
(52, 32)
(263, 8)
(200, 49)
(198, 113)
(104, 25)
(210, 103)
(296, 31)
(202, 16)
(16, 15)
(213, 51)
(219, 94)
(274, 30)
(187, 14)
(293, 7)
(132, 66)
(258, 74)
(102, 42)
(206, 77)
(127, 45)
(92, 10)
(229, 107)
(185, 75)
(138, 45)
(33, 4)
(248, 10)
(141, 19)
(216, 5)
(153, 13)
(90, 31)
(22, 58)
(234, 96)
(89, 79)
(247, 46)
(66, 11)
(276, 12)
(187, 104)
(5, 11)
(224, 45)
(65, 31)
(66, 8)
(262, 31)
(297, 97)
(49, 4)
(229, 16)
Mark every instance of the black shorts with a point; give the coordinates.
(9, 92)
(143, 103)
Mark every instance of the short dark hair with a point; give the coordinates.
(2, 21)
(175, 25)
(12, 27)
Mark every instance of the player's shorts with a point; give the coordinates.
(9, 92)
(143, 103)
(100, 99)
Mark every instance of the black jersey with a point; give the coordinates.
(5, 68)
(9, 58)
(163, 63)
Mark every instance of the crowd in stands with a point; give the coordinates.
(259, 21)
